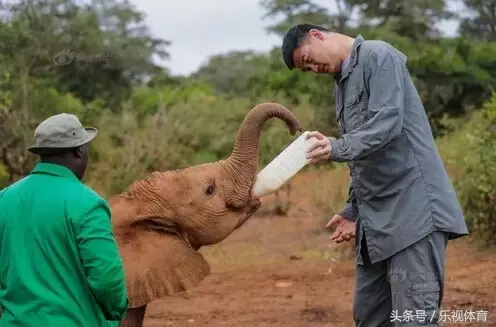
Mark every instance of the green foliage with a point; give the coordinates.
(94, 61)
(4, 176)
(477, 184)
(91, 51)
(124, 151)
(199, 128)
(410, 18)
(147, 100)
(478, 21)
(5, 93)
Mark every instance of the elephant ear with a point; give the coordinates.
(158, 265)
(157, 262)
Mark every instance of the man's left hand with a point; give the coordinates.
(320, 150)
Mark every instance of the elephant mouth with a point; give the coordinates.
(252, 206)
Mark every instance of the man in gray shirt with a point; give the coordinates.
(402, 207)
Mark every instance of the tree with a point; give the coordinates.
(232, 73)
(415, 19)
(294, 12)
(91, 50)
(481, 23)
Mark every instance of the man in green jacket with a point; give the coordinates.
(59, 262)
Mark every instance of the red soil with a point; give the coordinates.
(284, 271)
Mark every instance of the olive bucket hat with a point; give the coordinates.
(61, 131)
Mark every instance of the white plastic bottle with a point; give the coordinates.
(280, 170)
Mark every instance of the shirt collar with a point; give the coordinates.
(54, 169)
(351, 60)
(346, 62)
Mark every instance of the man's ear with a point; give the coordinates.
(315, 33)
(78, 153)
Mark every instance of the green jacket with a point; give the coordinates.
(59, 263)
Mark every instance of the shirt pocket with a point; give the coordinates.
(355, 106)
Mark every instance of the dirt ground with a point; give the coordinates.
(284, 271)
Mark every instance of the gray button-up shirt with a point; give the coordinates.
(400, 191)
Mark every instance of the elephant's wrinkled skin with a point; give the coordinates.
(160, 222)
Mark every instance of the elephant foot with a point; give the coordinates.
(134, 317)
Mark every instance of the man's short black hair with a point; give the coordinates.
(293, 39)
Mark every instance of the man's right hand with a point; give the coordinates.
(345, 229)
(320, 151)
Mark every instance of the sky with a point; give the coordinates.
(202, 28)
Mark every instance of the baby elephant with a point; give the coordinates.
(161, 221)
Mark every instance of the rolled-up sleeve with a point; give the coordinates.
(101, 261)
(386, 75)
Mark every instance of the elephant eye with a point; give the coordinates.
(209, 189)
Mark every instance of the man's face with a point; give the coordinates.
(317, 55)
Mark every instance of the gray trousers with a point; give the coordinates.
(403, 290)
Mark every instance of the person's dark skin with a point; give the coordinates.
(75, 159)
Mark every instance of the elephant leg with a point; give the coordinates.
(134, 317)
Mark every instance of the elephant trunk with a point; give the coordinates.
(245, 155)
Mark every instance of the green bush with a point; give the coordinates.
(476, 185)
(4, 176)
(200, 128)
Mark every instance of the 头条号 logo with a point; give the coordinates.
(67, 56)
(63, 57)
(397, 275)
